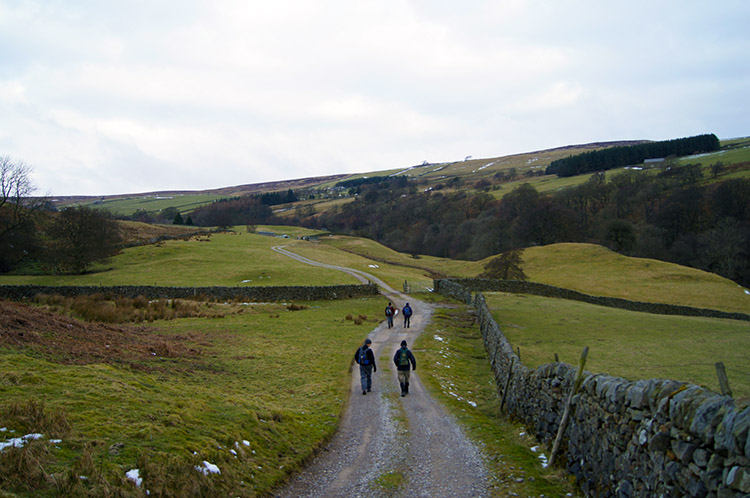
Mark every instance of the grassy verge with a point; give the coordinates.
(455, 369)
(624, 343)
(253, 393)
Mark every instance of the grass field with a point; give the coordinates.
(453, 365)
(425, 265)
(165, 398)
(253, 393)
(223, 259)
(596, 270)
(587, 268)
(623, 343)
(126, 206)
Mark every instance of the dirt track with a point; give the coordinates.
(410, 442)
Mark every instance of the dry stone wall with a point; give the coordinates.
(257, 294)
(646, 438)
(462, 286)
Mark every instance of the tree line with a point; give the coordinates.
(31, 231)
(617, 157)
(671, 216)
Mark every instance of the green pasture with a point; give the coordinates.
(223, 259)
(392, 274)
(623, 343)
(596, 270)
(587, 268)
(126, 206)
(453, 365)
(732, 152)
(267, 383)
(425, 265)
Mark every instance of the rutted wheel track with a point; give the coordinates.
(427, 449)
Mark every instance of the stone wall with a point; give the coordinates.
(255, 294)
(645, 438)
(458, 287)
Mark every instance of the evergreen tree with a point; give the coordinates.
(507, 266)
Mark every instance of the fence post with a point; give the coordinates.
(566, 413)
(723, 380)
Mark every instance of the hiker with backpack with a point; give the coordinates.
(403, 360)
(390, 312)
(407, 315)
(366, 359)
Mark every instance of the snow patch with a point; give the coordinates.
(19, 442)
(135, 476)
(207, 468)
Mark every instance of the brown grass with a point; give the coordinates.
(67, 340)
(109, 309)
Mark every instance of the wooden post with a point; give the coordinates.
(566, 413)
(723, 380)
(518, 353)
(507, 383)
(557, 359)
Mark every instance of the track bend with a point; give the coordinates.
(383, 437)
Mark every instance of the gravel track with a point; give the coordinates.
(382, 437)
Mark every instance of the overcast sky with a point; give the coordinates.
(135, 96)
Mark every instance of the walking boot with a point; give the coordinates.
(403, 390)
(406, 388)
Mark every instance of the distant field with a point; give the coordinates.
(225, 259)
(426, 266)
(587, 268)
(732, 152)
(129, 205)
(468, 171)
(393, 275)
(595, 270)
(623, 343)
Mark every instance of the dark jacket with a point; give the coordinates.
(370, 357)
(397, 358)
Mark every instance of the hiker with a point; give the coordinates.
(403, 359)
(407, 315)
(390, 312)
(366, 359)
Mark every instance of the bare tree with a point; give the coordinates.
(81, 236)
(15, 189)
(19, 239)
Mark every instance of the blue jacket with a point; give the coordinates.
(370, 358)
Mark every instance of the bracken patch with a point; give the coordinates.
(66, 340)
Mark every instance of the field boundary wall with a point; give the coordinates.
(645, 438)
(462, 288)
(257, 294)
